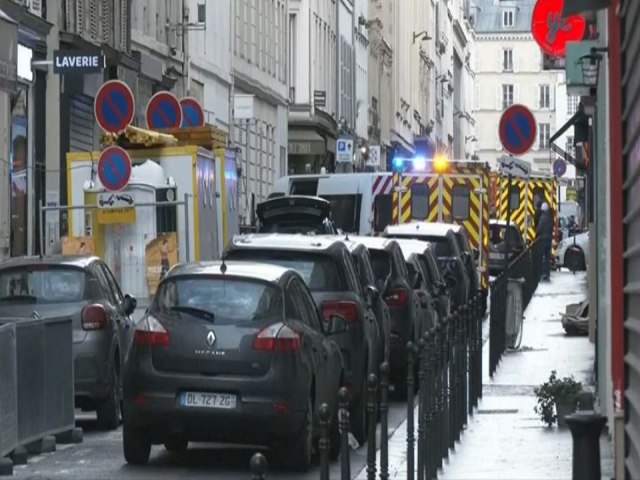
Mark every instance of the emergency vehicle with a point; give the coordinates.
(435, 190)
(526, 194)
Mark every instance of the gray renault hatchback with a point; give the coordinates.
(231, 352)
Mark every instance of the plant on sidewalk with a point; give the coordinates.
(553, 392)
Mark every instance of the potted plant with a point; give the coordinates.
(557, 398)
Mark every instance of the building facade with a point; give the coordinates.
(313, 100)
(510, 71)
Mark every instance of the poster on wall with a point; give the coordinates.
(19, 190)
(77, 246)
(160, 255)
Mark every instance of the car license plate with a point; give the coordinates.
(496, 256)
(208, 400)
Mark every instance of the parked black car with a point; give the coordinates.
(407, 319)
(447, 250)
(295, 214)
(502, 239)
(432, 291)
(364, 267)
(83, 288)
(328, 269)
(231, 352)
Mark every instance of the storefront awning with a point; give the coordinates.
(306, 142)
(581, 6)
(570, 123)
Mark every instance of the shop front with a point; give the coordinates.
(311, 143)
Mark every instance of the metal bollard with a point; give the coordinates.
(586, 427)
(372, 390)
(452, 364)
(258, 466)
(343, 418)
(434, 442)
(384, 421)
(441, 343)
(410, 395)
(422, 353)
(465, 365)
(324, 416)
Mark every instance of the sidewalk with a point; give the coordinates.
(504, 438)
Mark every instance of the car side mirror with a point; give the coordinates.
(371, 293)
(336, 325)
(130, 304)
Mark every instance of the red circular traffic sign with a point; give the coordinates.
(114, 168)
(163, 111)
(551, 31)
(114, 106)
(192, 112)
(517, 129)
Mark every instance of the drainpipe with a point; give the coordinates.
(338, 61)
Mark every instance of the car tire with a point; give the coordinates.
(109, 410)
(136, 446)
(359, 415)
(176, 444)
(297, 454)
(574, 260)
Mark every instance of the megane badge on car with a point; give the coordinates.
(211, 338)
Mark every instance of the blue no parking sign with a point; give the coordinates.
(517, 129)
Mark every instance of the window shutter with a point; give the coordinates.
(500, 60)
(536, 143)
(79, 23)
(552, 97)
(516, 60)
(499, 98)
(93, 14)
(516, 94)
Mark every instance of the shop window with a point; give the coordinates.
(460, 202)
(419, 201)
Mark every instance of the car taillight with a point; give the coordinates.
(277, 338)
(149, 331)
(396, 297)
(344, 309)
(94, 317)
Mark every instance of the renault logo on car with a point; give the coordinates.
(211, 338)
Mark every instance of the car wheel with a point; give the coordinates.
(297, 454)
(176, 444)
(108, 411)
(574, 260)
(136, 446)
(359, 415)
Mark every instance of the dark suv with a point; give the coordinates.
(407, 321)
(83, 288)
(364, 266)
(327, 267)
(295, 214)
(447, 250)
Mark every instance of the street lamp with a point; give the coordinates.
(424, 34)
(591, 67)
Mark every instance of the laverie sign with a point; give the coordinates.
(73, 61)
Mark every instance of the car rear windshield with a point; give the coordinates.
(319, 271)
(381, 261)
(498, 232)
(42, 284)
(442, 247)
(227, 299)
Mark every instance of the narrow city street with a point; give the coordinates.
(99, 457)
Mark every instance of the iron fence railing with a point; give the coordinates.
(447, 388)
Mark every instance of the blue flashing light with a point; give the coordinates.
(398, 163)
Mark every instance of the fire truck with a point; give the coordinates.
(436, 190)
(526, 194)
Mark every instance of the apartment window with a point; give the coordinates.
(544, 133)
(572, 104)
(292, 56)
(507, 60)
(545, 96)
(570, 148)
(507, 96)
(508, 18)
